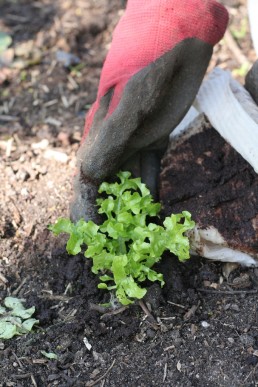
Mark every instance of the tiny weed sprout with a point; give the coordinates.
(127, 245)
(15, 319)
(49, 355)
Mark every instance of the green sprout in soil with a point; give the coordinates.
(15, 319)
(128, 244)
(49, 355)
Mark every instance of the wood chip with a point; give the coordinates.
(58, 156)
(179, 366)
(178, 305)
(191, 312)
(165, 372)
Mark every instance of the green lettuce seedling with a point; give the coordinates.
(15, 319)
(128, 244)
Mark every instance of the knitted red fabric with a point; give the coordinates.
(148, 29)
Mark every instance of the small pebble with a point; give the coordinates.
(43, 144)
(58, 156)
(87, 344)
(204, 324)
(22, 175)
(24, 192)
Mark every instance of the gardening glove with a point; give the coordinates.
(158, 57)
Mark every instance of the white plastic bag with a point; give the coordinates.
(231, 111)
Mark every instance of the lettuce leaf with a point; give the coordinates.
(126, 246)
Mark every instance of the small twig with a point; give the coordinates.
(165, 372)
(16, 291)
(103, 383)
(68, 287)
(152, 319)
(146, 311)
(114, 312)
(250, 373)
(33, 381)
(22, 376)
(170, 347)
(17, 359)
(178, 305)
(90, 384)
(229, 292)
(191, 311)
(167, 318)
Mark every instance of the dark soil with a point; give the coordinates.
(220, 188)
(205, 331)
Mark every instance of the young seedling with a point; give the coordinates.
(128, 244)
(15, 319)
(49, 355)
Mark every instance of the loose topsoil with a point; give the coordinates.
(204, 325)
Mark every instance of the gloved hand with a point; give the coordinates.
(158, 57)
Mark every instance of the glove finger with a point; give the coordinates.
(153, 103)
